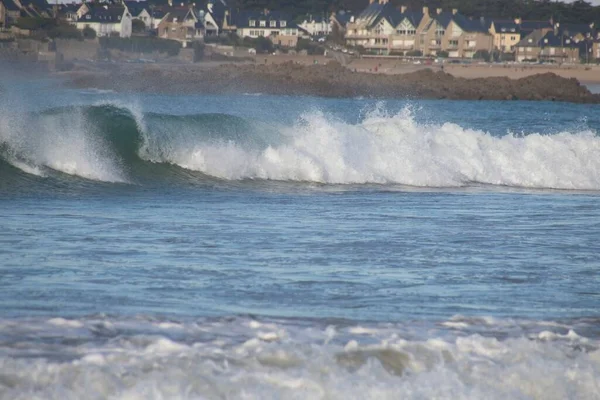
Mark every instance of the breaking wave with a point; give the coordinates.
(117, 143)
(152, 358)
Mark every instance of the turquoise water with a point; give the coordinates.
(257, 246)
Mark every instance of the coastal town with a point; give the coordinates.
(214, 30)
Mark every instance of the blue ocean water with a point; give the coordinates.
(164, 246)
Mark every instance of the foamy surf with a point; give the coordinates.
(142, 358)
(398, 150)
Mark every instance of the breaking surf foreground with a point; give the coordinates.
(160, 246)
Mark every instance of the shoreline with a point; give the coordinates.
(323, 80)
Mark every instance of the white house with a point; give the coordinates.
(107, 20)
(316, 26)
(139, 11)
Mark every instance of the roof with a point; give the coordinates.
(217, 8)
(543, 38)
(505, 26)
(243, 19)
(10, 5)
(104, 14)
(181, 14)
(574, 29)
(343, 17)
(470, 25)
(414, 17)
(375, 12)
(136, 7)
(530, 26)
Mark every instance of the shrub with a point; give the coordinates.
(35, 23)
(414, 53)
(64, 31)
(138, 26)
(89, 33)
(310, 47)
(442, 54)
(482, 55)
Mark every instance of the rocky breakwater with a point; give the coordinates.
(331, 80)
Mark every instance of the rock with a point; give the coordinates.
(331, 80)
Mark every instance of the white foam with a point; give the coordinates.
(65, 322)
(65, 142)
(373, 361)
(398, 150)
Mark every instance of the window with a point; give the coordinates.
(282, 24)
(263, 23)
(513, 38)
(252, 23)
(273, 24)
(453, 43)
(401, 32)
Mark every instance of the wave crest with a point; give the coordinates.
(117, 143)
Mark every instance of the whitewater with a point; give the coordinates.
(274, 247)
(101, 142)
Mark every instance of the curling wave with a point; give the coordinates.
(117, 143)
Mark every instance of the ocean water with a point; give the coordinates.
(273, 247)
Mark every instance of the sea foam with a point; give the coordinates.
(382, 361)
(396, 149)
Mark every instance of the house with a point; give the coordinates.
(214, 16)
(466, 37)
(506, 35)
(405, 36)
(181, 24)
(384, 30)
(548, 46)
(316, 25)
(373, 28)
(107, 20)
(276, 26)
(139, 10)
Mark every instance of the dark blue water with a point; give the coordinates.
(157, 246)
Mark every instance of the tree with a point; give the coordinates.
(138, 26)
(89, 33)
(35, 23)
(263, 45)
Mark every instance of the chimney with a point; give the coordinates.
(403, 9)
(438, 11)
(426, 11)
(454, 11)
(518, 21)
(371, 1)
(383, 2)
